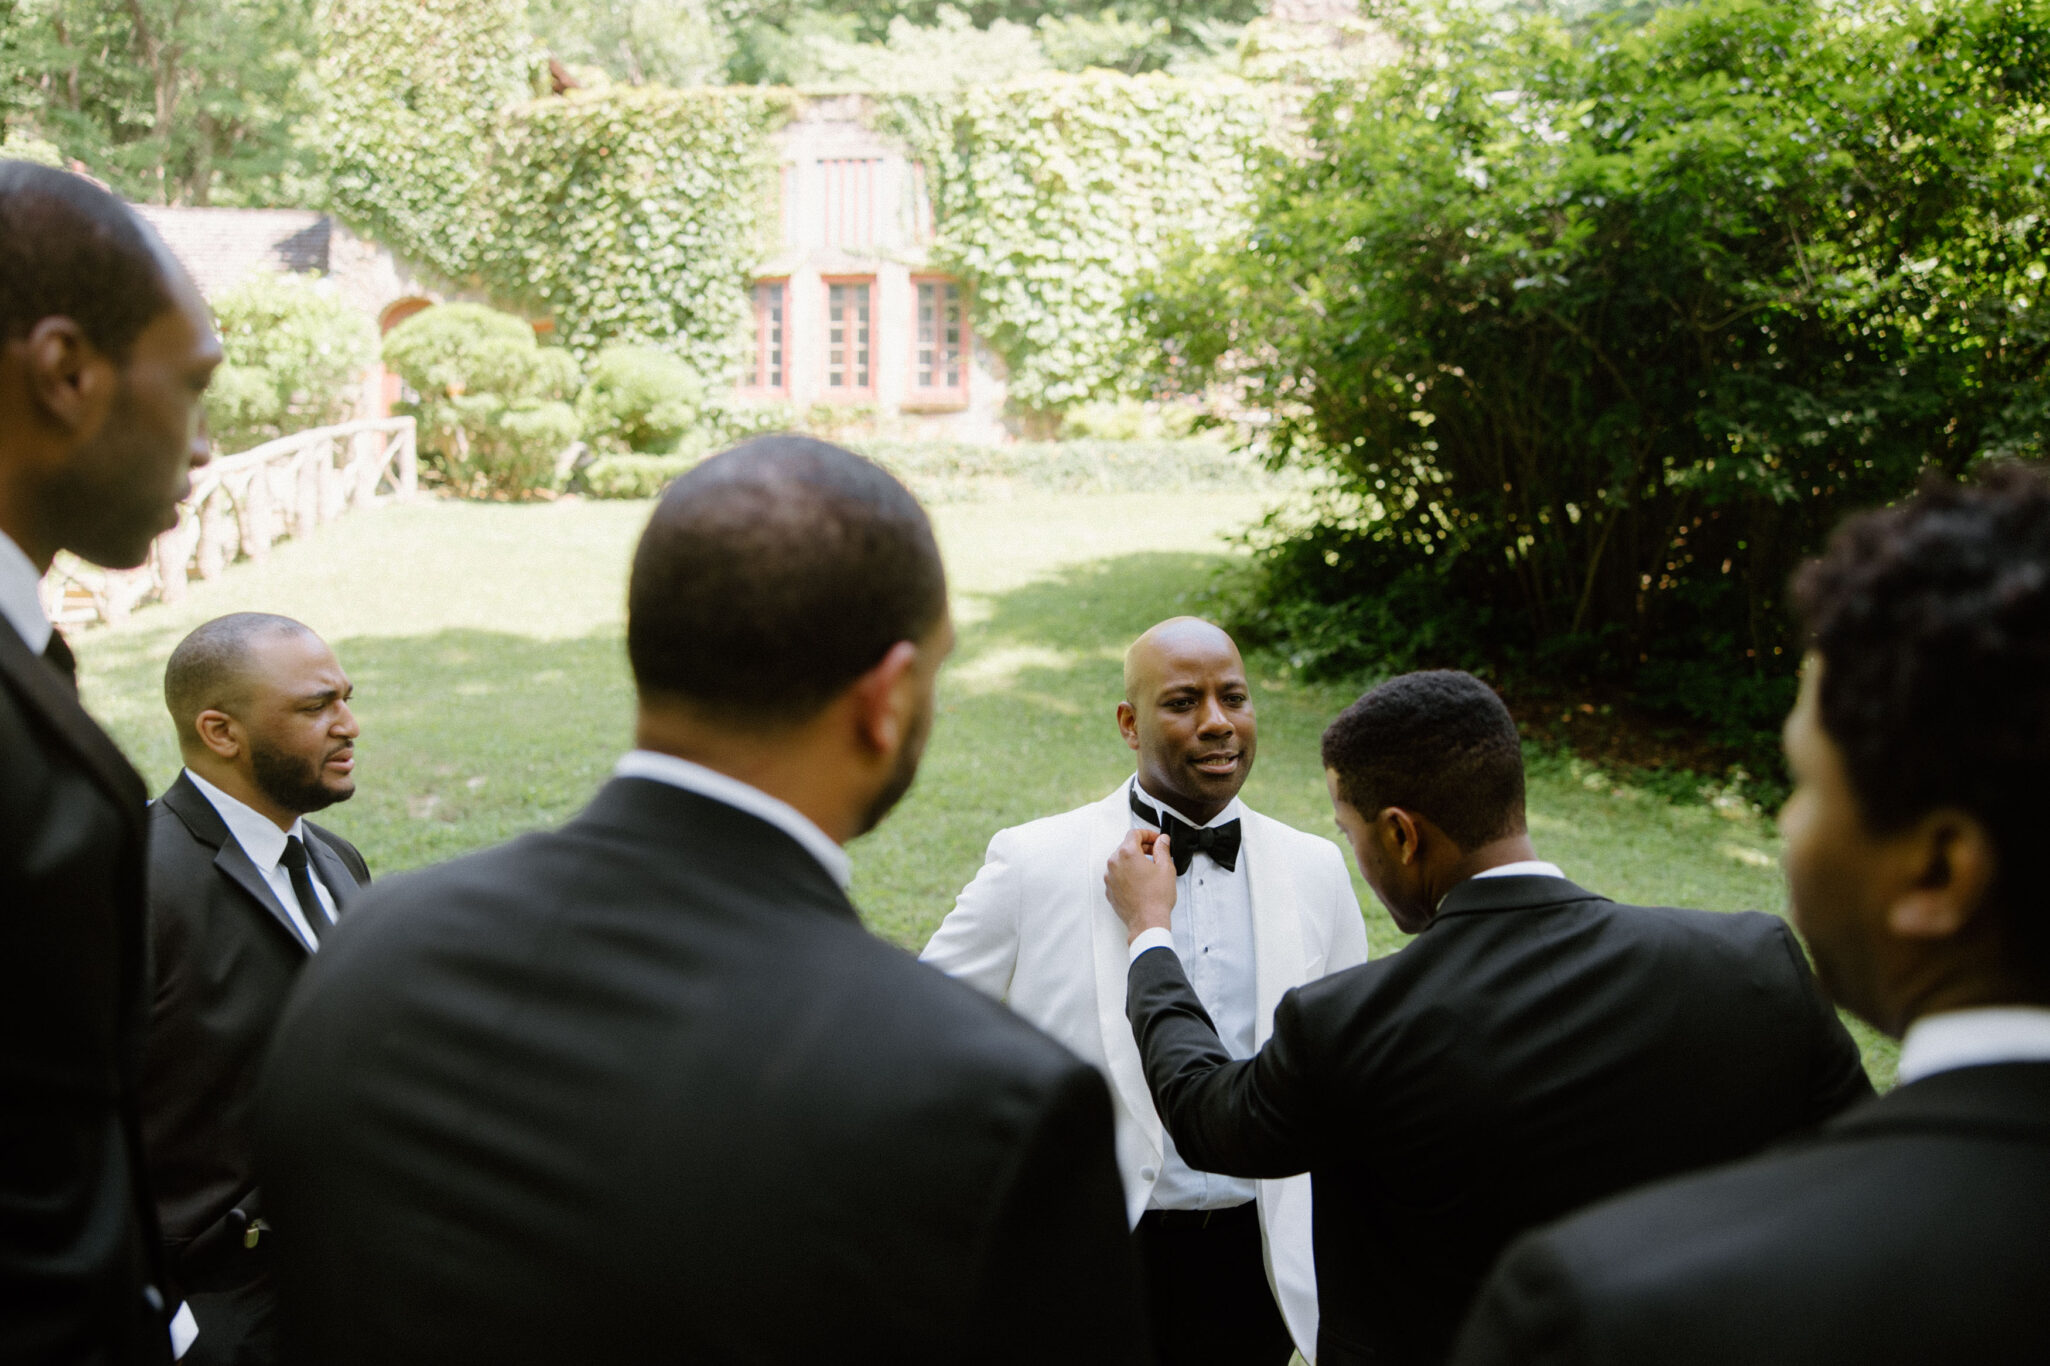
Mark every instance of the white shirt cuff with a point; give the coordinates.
(1155, 938)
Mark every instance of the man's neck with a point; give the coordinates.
(243, 790)
(781, 766)
(1196, 814)
(1471, 863)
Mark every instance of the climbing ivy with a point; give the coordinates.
(1054, 194)
(635, 215)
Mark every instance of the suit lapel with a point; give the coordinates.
(192, 808)
(1111, 955)
(333, 873)
(39, 685)
(1279, 958)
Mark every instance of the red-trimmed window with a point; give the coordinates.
(940, 340)
(771, 372)
(850, 337)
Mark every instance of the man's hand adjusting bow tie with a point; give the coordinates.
(1139, 879)
(1186, 841)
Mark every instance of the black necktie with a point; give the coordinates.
(57, 654)
(1185, 841)
(294, 859)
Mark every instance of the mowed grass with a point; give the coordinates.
(486, 645)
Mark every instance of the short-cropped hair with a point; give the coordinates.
(1932, 619)
(69, 249)
(772, 576)
(1438, 744)
(210, 667)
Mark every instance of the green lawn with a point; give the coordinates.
(485, 642)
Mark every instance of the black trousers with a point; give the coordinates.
(1206, 1289)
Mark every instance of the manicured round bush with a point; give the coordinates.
(640, 398)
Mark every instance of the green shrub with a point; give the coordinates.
(295, 354)
(640, 399)
(633, 476)
(1603, 330)
(492, 419)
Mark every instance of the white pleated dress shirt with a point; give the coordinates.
(1211, 931)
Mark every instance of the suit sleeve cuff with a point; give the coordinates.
(1155, 938)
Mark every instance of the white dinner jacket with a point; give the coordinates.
(1036, 930)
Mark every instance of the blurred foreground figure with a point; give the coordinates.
(1537, 1048)
(105, 348)
(1259, 908)
(242, 889)
(643, 1089)
(1912, 1229)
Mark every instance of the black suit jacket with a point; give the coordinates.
(78, 1240)
(1914, 1229)
(226, 956)
(1535, 1049)
(644, 1090)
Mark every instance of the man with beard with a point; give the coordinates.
(1261, 908)
(642, 1088)
(242, 889)
(105, 349)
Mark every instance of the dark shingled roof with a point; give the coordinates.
(222, 246)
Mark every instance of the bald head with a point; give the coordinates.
(1177, 638)
(1188, 713)
(215, 669)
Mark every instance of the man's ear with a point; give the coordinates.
(883, 699)
(219, 733)
(73, 380)
(1951, 864)
(1128, 724)
(1399, 835)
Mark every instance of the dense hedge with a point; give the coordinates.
(1602, 331)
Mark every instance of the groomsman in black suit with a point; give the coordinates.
(242, 890)
(105, 348)
(1537, 1048)
(1913, 1228)
(642, 1088)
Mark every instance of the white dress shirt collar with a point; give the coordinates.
(21, 601)
(1530, 867)
(257, 833)
(1974, 1038)
(1233, 809)
(706, 782)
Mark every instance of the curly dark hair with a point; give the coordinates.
(1932, 619)
(1439, 744)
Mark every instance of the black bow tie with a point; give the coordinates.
(1185, 841)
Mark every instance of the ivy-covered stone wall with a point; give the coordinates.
(1054, 194)
(638, 215)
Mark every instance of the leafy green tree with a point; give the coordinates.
(639, 42)
(172, 101)
(1602, 331)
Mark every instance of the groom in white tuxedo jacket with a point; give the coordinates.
(1260, 908)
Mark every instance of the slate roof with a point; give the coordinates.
(222, 246)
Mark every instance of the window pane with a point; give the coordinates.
(847, 336)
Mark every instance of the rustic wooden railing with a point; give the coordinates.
(240, 505)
